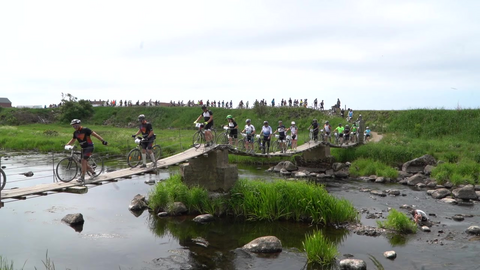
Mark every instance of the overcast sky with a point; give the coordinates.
(370, 54)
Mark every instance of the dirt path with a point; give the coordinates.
(376, 137)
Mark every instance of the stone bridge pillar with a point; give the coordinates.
(210, 171)
(361, 130)
(318, 157)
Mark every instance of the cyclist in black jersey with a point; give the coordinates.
(83, 136)
(208, 119)
(147, 143)
(281, 130)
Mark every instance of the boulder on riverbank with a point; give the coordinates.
(418, 165)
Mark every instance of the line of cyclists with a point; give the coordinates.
(342, 134)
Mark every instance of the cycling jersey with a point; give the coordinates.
(340, 130)
(231, 126)
(206, 116)
(315, 128)
(266, 131)
(327, 128)
(249, 129)
(145, 128)
(281, 131)
(293, 130)
(83, 137)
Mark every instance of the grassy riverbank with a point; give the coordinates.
(448, 135)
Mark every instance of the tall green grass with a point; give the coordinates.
(399, 222)
(319, 249)
(466, 172)
(5, 264)
(259, 200)
(366, 167)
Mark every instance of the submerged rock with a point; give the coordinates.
(138, 203)
(353, 264)
(390, 254)
(265, 244)
(72, 219)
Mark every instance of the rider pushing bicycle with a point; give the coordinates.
(82, 135)
(148, 137)
(232, 127)
(208, 118)
(282, 136)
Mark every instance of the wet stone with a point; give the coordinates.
(473, 230)
(449, 200)
(378, 193)
(73, 219)
(352, 264)
(458, 217)
(266, 244)
(426, 229)
(390, 254)
(203, 218)
(162, 214)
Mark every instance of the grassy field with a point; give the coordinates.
(448, 135)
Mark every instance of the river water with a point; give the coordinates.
(114, 238)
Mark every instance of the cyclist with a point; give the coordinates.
(233, 128)
(339, 131)
(250, 131)
(354, 132)
(83, 136)
(321, 105)
(267, 135)
(367, 134)
(346, 134)
(208, 118)
(314, 126)
(281, 136)
(350, 115)
(148, 136)
(328, 129)
(293, 129)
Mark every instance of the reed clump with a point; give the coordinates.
(259, 200)
(319, 249)
(398, 221)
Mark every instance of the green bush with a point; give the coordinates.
(399, 222)
(319, 249)
(75, 109)
(465, 172)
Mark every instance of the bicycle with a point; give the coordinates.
(134, 157)
(337, 139)
(199, 136)
(3, 179)
(69, 167)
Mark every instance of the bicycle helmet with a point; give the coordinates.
(367, 127)
(229, 116)
(141, 117)
(326, 122)
(265, 122)
(75, 122)
(280, 121)
(204, 107)
(346, 126)
(293, 122)
(314, 120)
(248, 121)
(340, 124)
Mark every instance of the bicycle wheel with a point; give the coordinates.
(224, 139)
(67, 169)
(198, 139)
(157, 151)
(96, 163)
(241, 145)
(274, 146)
(214, 136)
(3, 179)
(134, 157)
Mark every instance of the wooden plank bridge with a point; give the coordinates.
(45, 189)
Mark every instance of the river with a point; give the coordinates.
(113, 238)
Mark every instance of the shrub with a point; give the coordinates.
(365, 167)
(319, 249)
(399, 222)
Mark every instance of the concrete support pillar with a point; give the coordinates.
(210, 171)
(318, 157)
(361, 130)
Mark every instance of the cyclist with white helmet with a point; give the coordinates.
(145, 128)
(250, 131)
(208, 119)
(266, 136)
(339, 130)
(293, 131)
(367, 134)
(346, 134)
(282, 136)
(232, 127)
(83, 136)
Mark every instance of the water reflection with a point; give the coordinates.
(217, 245)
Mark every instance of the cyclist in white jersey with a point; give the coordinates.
(250, 131)
(293, 129)
(328, 129)
(267, 135)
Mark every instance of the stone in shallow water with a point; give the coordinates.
(265, 244)
(425, 228)
(353, 264)
(473, 230)
(390, 254)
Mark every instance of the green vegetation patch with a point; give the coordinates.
(399, 222)
(259, 200)
(465, 172)
(366, 167)
(319, 249)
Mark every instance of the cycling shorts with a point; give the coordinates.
(87, 152)
(233, 135)
(250, 139)
(281, 139)
(209, 125)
